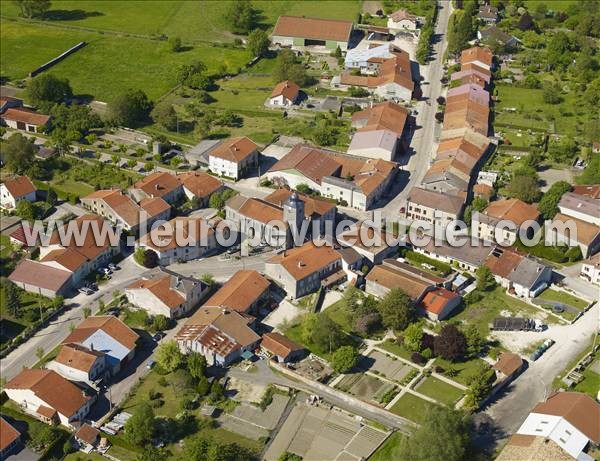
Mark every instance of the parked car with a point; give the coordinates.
(86, 290)
(113, 267)
(158, 336)
(104, 271)
(150, 364)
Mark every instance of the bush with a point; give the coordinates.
(427, 353)
(417, 358)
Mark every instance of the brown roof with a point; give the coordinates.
(46, 412)
(261, 211)
(154, 206)
(591, 191)
(161, 288)
(20, 114)
(158, 184)
(586, 232)
(89, 248)
(436, 300)
(240, 291)
(483, 190)
(431, 199)
(8, 434)
(57, 392)
(279, 345)
(579, 409)
(69, 258)
(399, 15)
(234, 149)
(393, 70)
(392, 277)
(287, 88)
(40, 275)
(312, 206)
(477, 53)
(513, 210)
(471, 66)
(313, 162)
(387, 115)
(199, 183)
(88, 434)
(19, 186)
(503, 262)
(508, 363)
(451, 165)
(78, 357)
(313, 28)
(110, 324)
(303, 261)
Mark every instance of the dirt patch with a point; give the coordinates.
(371, 7)
(246, 391)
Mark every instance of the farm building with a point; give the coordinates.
(300, 32)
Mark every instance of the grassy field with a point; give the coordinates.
(411, 407)
(439, 390)
(562, 297)
(390, 449)
(464, 370)
(395, 348)
(556, 5)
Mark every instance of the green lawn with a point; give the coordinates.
(464, 370)
(295, 334)
(395, 348)
(411, 407)
(590, 384)
(80, 456)
(439, 390)
(390, 449)
(555, 5)
(29, 313)
(562, 297)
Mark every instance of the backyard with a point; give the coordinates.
(439, 390)
(459, 371)
(564, 298)
(411, 407)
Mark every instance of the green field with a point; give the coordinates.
(395, 348)
(562, 297)
(411, 407)
(463, 370)
(390, 449)
(439, 390)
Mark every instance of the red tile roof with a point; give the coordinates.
(200, 184)
(19, 186)
(279, 345)
(110, 324)
(240, 292)
(387, 115)
(436, 300)
(313, 28)
(78, 357)
(234, 149)
(287, 88)
(158, 184)
(303, 261)
(88, 434)
(20, 114)
(161, 288)
(8, 434)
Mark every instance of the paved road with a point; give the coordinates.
(535, 383)
(53, 334)
(220, 268)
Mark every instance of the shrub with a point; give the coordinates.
(417, 358)
(427, 353)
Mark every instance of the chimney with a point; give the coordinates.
(92, 346)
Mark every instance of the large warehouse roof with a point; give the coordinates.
(313, 28)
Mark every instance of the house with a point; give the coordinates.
(439, 303)
(80, 363)
(582, 207)
(507, 367)
(488, 14)
(42, 279)
(233, 157)
(466, 257)
(106, 333)
(221, 335)
(20, 118)
(356, 182)
(518, 273)
(164, 292)
(472, 76)
(280, 348)
(10, 438)
(285, 94)
(199, 186)
(394, 79)
(590, 269)
(300, 270)
(13, 190)
(198, 155)
(183, 238)
(447, 176)
(157, 185)
(371, 243)
(574, 232)
(49, 397)
(493, 35)
(569, 419)
(44, 153)
(245, 292)
(485, 225)
(590, 191)
(121, 210)
(368, 60)
(299, 32)
(480, 56)
(434, 207)
(87, 437)
(402, 20)
(8, 102)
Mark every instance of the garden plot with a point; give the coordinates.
(386, 366)
(364, 387)
(243, 428)
(268, 418)
(439, 390)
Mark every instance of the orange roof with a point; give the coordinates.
(154, 206)
(287, 88)
(158, 184)
(261, 211)
(69, 258)
(78, 357)
(508, 363)
(40, 275)
(313, 28)
(19, 186)
(161, 288)
(591, 191)
(240, 292)
(579, 409)
(513, 210)
(110, 324)
(234, 149)
(586, 232)
(401, 14)
(503, 264)
(477, 53)
(387, 115)
(8, 434)
(436, 300)
(312, 205)
(200, 184)
(125, 208)
(20, 114)
(303, 261)
(57, 392)
(471, 66)
(483, 190)
(88, 434)
(46, 412)
(279, 345)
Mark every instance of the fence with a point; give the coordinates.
(57, 59)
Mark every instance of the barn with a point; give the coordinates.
(298, 31)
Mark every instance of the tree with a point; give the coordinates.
(26, 210)
(139, 428)
(188, 74)
(524, 186)
(326, 334)
(164, 114)
(397, 310)
(367, 323)
(203, 386)
(258, 43)
(39, 353)
(19, 153)
(160, 322)
(485, 279)
(168, 356)
(41, 435)
(526, 22)
(344, 359)
(207, 279)
(548, 205)
(480, 385)
(551, 93)
(216, 391)
(51, 197)
(12, 298)
(475, 340)
(451, 441)
(287, 67)
(413, 336)
(32, 8)
(130, 108)
(76, 120)
(287, 456)
(591, 173)
(87, 312)
(175, 44)
(44, 88)
(196, 364)
(241, 16)
(450, 344)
